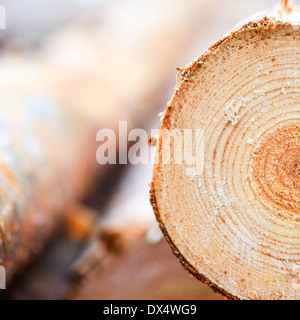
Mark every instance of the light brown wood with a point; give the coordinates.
(236, 224)
(42, 166)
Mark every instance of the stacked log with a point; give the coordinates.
(233, 221)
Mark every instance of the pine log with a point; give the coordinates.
(46, 162)
(233, 221)
(96, 82)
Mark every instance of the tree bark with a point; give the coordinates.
(46, 162)
(231, 215)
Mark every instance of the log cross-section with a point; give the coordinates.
(236, 224)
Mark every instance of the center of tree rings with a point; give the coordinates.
(276, 169)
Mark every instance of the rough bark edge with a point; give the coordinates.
(184, 75)
(187, 73)
(186, 265)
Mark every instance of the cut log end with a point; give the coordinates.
(236, 224)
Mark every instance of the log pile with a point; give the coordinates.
(235, 225)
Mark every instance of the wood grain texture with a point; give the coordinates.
(236, 224)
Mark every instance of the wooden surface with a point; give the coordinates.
(235, 223)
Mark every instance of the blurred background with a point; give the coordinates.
(110, 61)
